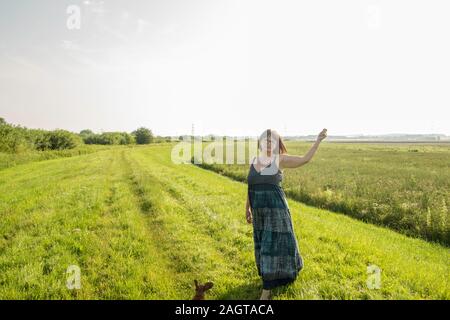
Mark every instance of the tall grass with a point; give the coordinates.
(13, 159)
(405, 187)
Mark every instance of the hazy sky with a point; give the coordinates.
(230, 67)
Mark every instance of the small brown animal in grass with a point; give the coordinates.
(201, 289)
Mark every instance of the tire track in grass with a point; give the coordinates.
(157, 209)
(81, 215)
(122, 262)
(139, 272)
(184, 235)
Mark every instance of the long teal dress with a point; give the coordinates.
(276, 250)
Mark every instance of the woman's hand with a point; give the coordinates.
(322, 135)
(248, 215)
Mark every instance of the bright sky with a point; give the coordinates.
(231, 67)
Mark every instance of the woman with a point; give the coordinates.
(276, 250)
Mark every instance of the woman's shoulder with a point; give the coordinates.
(252, 161)
(251, 168)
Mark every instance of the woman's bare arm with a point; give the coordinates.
(248, 211)
(288, 161)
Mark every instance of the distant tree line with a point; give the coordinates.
(14, 138)
(140, 136)
(107, 138)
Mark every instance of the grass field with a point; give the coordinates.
(139, 226)
(400, 185)
(8, 160)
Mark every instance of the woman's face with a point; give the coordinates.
(269, 145)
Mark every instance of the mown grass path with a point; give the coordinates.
(140, 226)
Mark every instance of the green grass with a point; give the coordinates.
(8, 160)
(142, 227)
(400, 185)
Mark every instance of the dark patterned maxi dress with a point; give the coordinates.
(276, 250)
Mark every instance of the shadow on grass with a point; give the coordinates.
(249, 291)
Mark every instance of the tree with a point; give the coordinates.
(127, 138)
(2, 121)
(12, 138)
(86, 132)
(143, 136)
(57, 140)
(107, 138)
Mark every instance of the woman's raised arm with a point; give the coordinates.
(288, 161)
